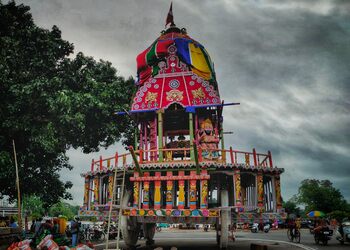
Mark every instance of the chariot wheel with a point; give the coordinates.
(149, 230)
(128, 225)
(297, 236)
(289, 234)
(225, 215)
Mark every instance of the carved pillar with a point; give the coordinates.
(278, 191)
(247, 159)
(160, 135)
(169, 191)
(181, 198)
(190, 118)
(237, 187)
(157, 191)
(260, 182)
(110, 188)
(204, 191)
(86, 192)
(145, 203)
(136, 192)
(193, 191)
(96, 189)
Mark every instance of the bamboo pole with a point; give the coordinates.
(17, 185)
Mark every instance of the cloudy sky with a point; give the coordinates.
(286, 62)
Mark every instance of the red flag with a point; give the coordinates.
(170, 17)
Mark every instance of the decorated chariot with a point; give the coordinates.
(179, 170)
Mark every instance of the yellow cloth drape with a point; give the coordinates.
(199, 62)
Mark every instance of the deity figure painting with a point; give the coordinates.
(208, 140)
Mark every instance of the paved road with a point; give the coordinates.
(197, 239)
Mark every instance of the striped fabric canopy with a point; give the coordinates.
(188, 50)
(315, 214)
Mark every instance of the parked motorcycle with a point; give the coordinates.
(95, 233)
(324, 235)
(141, 234)
(343, 232)
(255, 228)
(265, 228)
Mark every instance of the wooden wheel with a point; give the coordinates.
(297, 236)
(225, 220)
(149, 230)
(128, 225)
(289, 234)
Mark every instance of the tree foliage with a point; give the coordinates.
(291, 206)
(320, 195)
(33, 206)
(51, 101)
(63, 209)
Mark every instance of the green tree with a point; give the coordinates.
(33, 206)
(64, 209)
(339, 215)
(51, 101)
(291, 206)
(320, 195)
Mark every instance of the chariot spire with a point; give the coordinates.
(170, 17)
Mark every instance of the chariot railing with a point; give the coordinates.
(183, 155)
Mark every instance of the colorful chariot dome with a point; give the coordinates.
(175, 69)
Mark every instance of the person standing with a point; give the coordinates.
(37, 227)
(13, 223)
(75, 231)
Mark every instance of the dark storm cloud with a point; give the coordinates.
(286, 62)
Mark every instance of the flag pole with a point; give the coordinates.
(17, 184)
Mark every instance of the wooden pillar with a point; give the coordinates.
(181, 198)
(196, 127)
(101, 163)
(110, 188)
(141, 135)
(243, 196)
(86, 192)
(157, 191)
(193, 191)
(223, 153)
(135, 138)
(100, 191)
(96, 189)
(247, 159)
(204, 191)
(260, 182)
(255, 158)
(92, 165)
(270, 159)
(169, 191)
(237, 187)
(136, 192)
(190, 115)
(145, 203)
(231, 156)
(145, 138)
(160, 135)
(278, 191)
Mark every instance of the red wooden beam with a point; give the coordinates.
(92, 165)
(254, 157)
(101, 166)
(270, 158)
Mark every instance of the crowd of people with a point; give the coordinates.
(5, 221)
(38, 226)
(41, 227)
